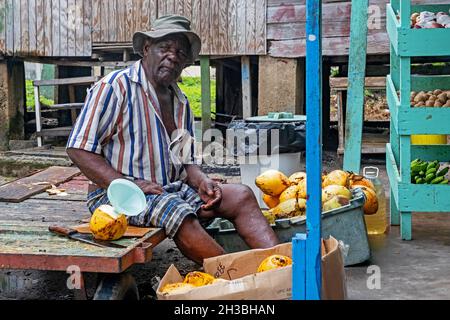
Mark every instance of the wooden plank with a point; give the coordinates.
(171, 8)
(214, 26)
(9, 14)
(224, 46)
(104, 11)
(40, 46)
(32, 27)
(145, 18)
(79, 32)
(260, 28)
(113, 23)
(355, 96)
(377, 44)
(56, 36)
(96, 20)
(64, 81)
(19, 190)
(187, 9)
(17, 27)
(206, 93)
(121, 21)
(24, 22)
(129, 19)
(232, 26)
(162, 4)
(87, 22)
(137, 5)
(3, 27)
(133, 232)
(63, 28)
(205, 27)
(48, 39)
(246, 88)
(179, 7)
(341, 83)
(153, 11)
(250, 28)
(241, 26)
(196, 14)
(71, 28)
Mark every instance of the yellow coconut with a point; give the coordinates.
(371, 204)
(290, 193)
(297, 177)
(105, 224)
(337, 177)
(335, 203)
(270, 201)
(199, 279)
(302, 189)
(357, 180)
(274, 262)
(335, 190)
(177, 288)
(289, 209)
(272, 182)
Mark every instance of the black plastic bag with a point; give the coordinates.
(261, 137)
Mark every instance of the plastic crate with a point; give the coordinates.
(346, 224)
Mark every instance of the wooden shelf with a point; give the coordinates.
(408, 42)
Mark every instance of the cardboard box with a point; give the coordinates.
(244, 284)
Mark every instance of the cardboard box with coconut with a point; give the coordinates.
(240, 279)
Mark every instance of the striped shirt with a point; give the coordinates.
(122, 121)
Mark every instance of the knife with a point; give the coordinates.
(86, 238)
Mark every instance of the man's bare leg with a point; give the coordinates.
(194, 242)
(239, 205)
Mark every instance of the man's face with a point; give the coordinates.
(166, 58)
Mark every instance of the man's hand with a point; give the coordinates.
(149, 187)
(211, 193)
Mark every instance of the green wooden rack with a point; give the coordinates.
(406, 121)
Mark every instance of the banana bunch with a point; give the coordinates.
(423, 172)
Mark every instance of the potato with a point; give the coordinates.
(447, 105)
(420, 104)
(429, 103)
(437, 92)
(421, 96)
(442, 98)
(432, 98)
(438, 104)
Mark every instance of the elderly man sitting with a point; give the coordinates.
(134, 124)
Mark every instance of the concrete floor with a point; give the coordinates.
(417, 269)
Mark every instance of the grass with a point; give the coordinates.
(191, 86)
(30, 97)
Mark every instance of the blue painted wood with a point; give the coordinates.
(299, 267)
(356, 81)
(314, 147)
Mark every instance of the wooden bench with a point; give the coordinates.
(72, 106)
(372, 143)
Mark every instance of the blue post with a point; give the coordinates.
(308, 247)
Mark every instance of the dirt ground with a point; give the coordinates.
(376, 107)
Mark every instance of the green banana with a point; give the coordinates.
(437, 180)
(443, 172)
(422, 173)
(430, 177)
(420, 181)
(444, 182)
(431, 171)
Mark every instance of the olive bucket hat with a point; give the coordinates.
(166, 25)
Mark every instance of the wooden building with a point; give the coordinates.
(269, 34)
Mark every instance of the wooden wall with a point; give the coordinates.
(226, 27)
(286, 27)
(51, 28)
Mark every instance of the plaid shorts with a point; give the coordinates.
(166, 210)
